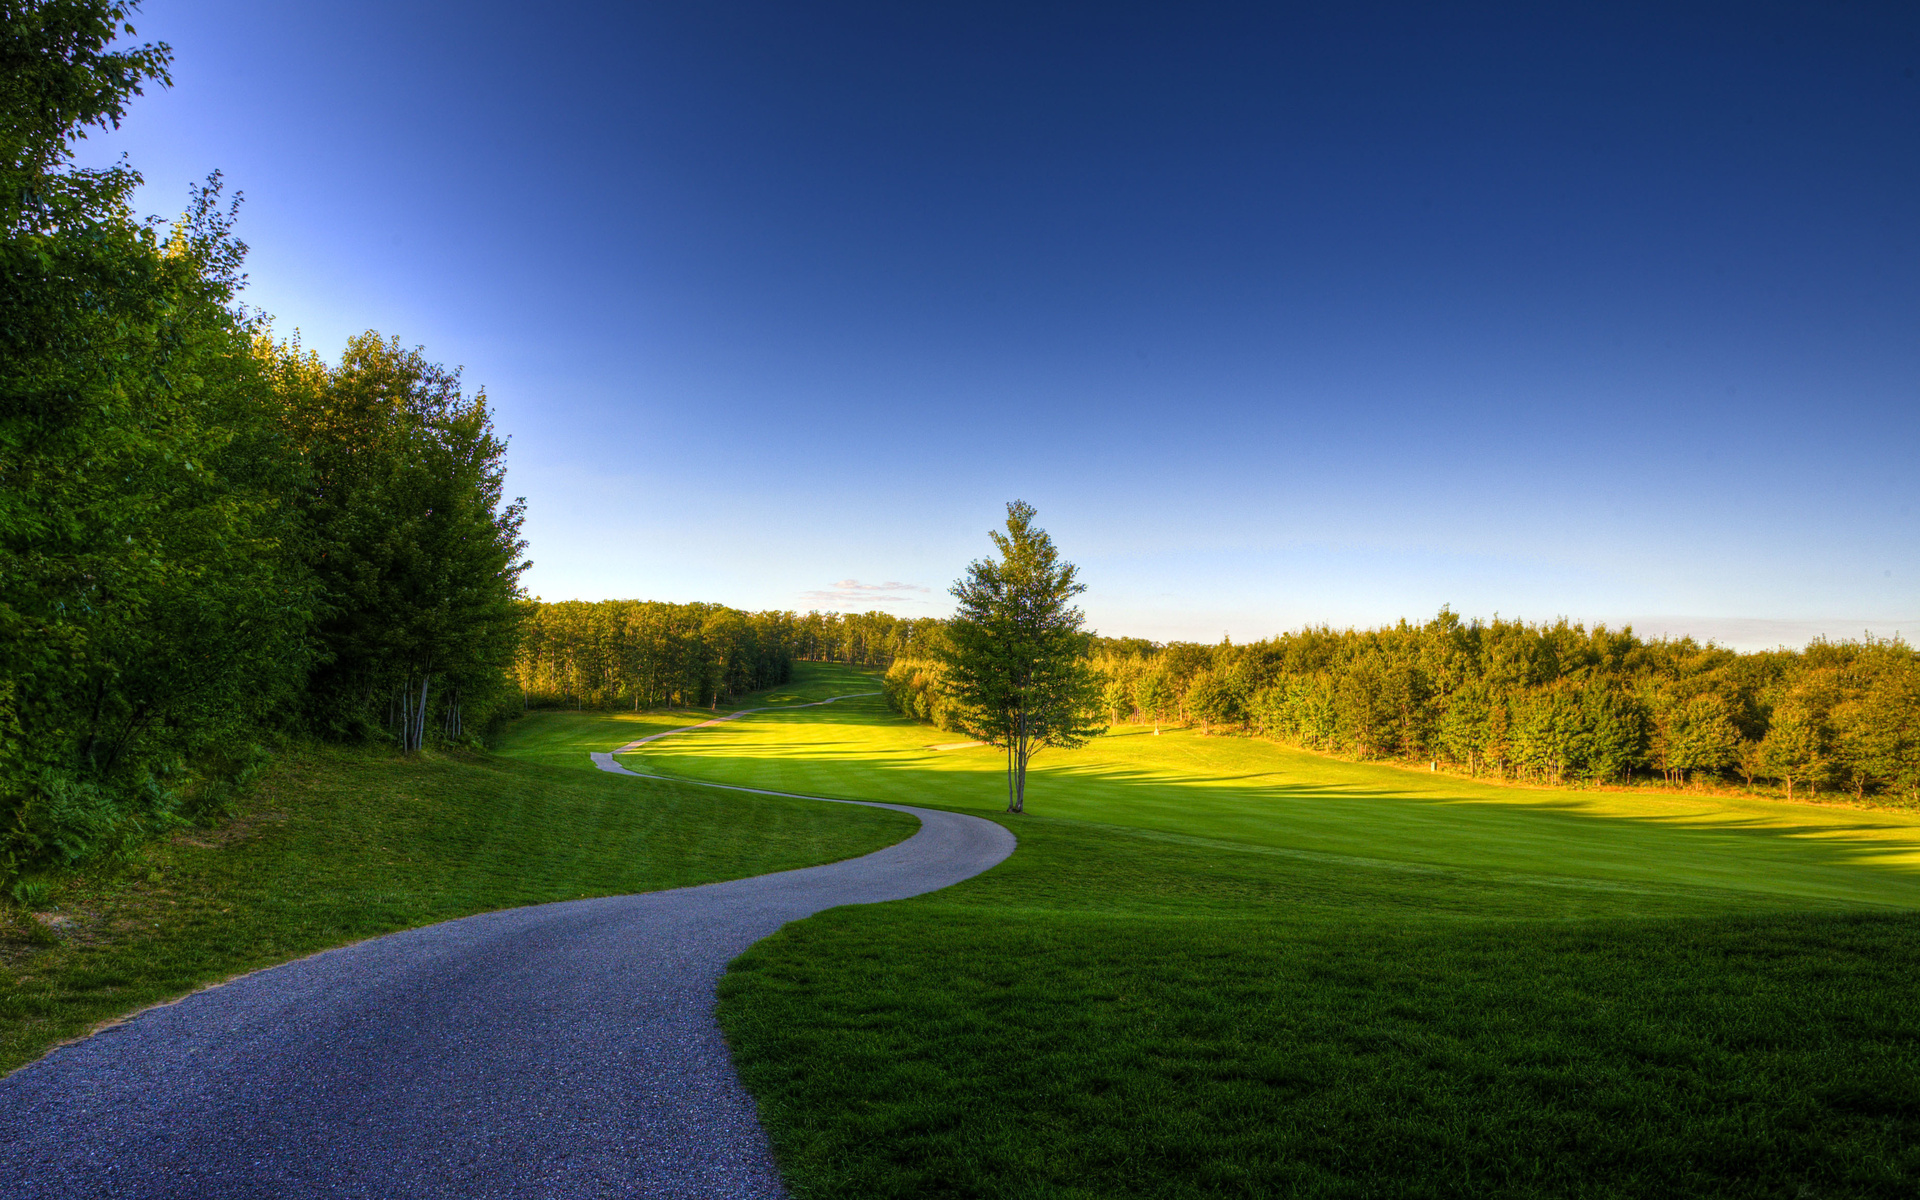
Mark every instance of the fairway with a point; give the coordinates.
(1220, 967)
(1250, 796)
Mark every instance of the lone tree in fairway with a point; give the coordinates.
(1016, 658)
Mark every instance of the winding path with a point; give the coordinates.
(564, 1050)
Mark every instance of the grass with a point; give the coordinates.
(339, 845)
(562, 738)
(1216, 967)
(1244, 792)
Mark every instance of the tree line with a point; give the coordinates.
(206, 535)
(869, 639)
(1548, 703)
(643, 654)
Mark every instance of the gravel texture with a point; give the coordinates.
(563, 1050)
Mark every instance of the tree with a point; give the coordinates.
(1150, 694)
(151, 604)
(1617, 733)
(1463, 726)
(1213, 700)
(1365, 710)
(1799, 741)
(1547, 732)
(416, 549)
(1701, 736)
(1015, 661)
(1875, 737)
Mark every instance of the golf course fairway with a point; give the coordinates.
(1220, 967)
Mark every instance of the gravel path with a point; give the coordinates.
(564, 1050)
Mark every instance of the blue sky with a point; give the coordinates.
(1278, 315)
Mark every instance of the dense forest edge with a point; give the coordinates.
(1548, 703)
(210, 538)
(641, 654)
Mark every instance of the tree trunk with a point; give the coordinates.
(1009, 774)
(420, 715)
(1019, 804)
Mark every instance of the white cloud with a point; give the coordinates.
(851, 593)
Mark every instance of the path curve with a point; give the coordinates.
(563, 1050)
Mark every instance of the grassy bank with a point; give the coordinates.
(339, 845)
(1217, 967)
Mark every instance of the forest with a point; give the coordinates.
(209, 538)
(645, 654)
(1545, 703)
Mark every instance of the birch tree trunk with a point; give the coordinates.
(419, 723)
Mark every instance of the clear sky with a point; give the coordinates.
(1331, 313)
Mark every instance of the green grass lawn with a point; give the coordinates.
(1218, 967)
(564, 738)
(339, 845)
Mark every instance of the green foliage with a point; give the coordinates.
(1151, 694)
(869, 639)
(172, 560)
(1550, 703)
(1877, 733)
(1697, 735)
(416, 552)
(917, 688)
(1540, 703)
(1014, 654)
(58, 79)
(1211, 698)
(149, 605)
(644, 654)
